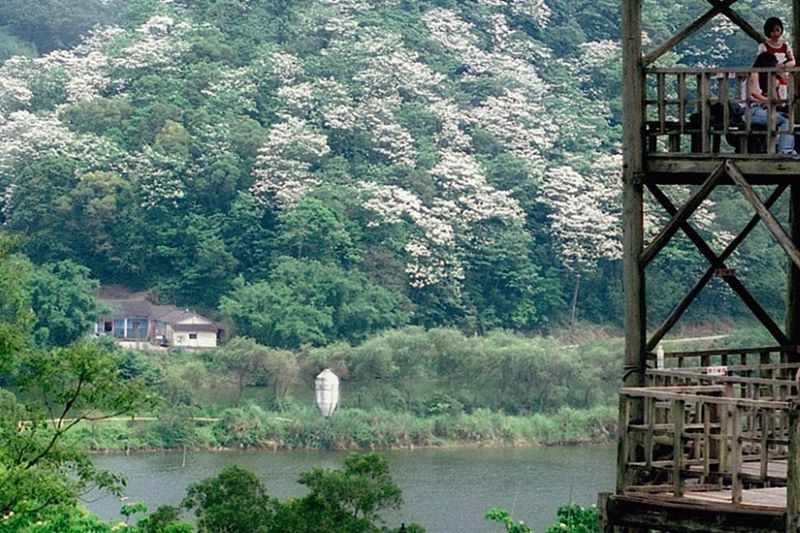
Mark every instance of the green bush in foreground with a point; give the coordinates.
(570, 518)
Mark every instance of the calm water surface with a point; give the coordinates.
(443, 490)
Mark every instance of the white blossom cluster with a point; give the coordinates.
(159, 177)
(283, 166)
(585, 229)
(159, 43)
(518, 117)
(599, 53)
(445, 225)
(25, 137)
(432, 250)
(14, 93)
(233, 89)
(536, 10)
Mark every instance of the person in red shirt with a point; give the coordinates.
(775, 45)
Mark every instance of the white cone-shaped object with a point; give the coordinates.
(326, 387)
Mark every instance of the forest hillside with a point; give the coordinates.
(316, 171)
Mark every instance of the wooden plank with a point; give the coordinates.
(771, 112)
(680, 217)
(792, 324)
(661, 97)
(773, 497)
(764, 422)
(623, 444)
(766, 216)
(705, 112)
(730, 401)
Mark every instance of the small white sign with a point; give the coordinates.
(717, 370)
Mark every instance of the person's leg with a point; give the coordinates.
(786, 140)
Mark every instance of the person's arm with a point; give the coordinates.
(754, 89)
(789, 58)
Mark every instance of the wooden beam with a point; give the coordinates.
(769, 220)
(632, 178)
(792, 325)
(693, 169)
(685, 32)
(681, 216)
(716, 262)
(688, 516)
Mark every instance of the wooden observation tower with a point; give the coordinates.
(709, 441)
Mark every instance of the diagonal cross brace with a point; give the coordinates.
(716, 262)
(687, 31)
(681, 216)
(769, 220)
(738, 20)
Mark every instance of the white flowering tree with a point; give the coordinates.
(584, 220)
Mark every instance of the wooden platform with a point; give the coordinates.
(698, 513)
(707, 448)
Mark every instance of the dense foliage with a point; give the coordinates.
(321, 171)
(43, 471)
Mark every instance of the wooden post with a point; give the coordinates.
(632, 176)
(792, 326)
(623, 444)
(793, 473)
(677, 446)
(736, 456)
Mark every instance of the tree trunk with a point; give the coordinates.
(573, 315)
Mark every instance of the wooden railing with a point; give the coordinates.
(691, 110)
(713, 428)
(694, 439)
(727, 356)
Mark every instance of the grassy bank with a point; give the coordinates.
(349, 429)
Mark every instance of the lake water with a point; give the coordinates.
(443, 490)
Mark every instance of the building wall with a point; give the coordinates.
(203, 339)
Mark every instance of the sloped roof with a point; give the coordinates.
(139, 307)
(195, 327)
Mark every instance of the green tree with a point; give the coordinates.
(348, 500)
(503, 517)
(310, 302)
(244, 359)
(62, 299)
(41, 472)
(235, 501)
(313, 230)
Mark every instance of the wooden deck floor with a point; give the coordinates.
(773, 497)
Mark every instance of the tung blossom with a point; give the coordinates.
(283, 166)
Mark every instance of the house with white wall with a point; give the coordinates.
(134, 321)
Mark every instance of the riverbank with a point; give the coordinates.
(251, 427)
